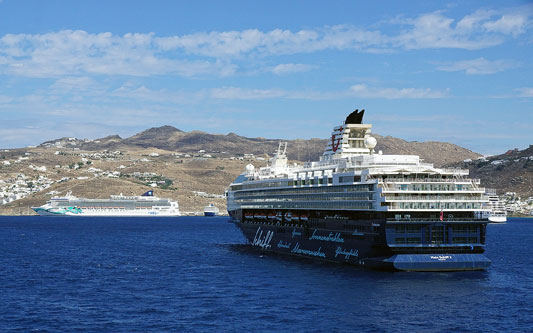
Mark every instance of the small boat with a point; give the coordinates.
(211, 210)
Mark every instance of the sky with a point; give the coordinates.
(458, 71)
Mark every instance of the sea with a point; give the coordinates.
(196, 274)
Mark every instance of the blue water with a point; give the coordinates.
(195, 274)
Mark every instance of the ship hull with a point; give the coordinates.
(347, 247)
(210, 214)
(45, 212)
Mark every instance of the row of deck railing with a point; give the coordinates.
(433, 198)
(445, 219)
(428, 180)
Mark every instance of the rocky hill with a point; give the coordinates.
(508, 172)
(172, 139)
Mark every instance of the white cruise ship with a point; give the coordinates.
(118, 205)
(496, 212)
(358, 206)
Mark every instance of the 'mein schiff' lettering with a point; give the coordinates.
(263, 241)
(316, 253)
(347, 254)
(332, 237)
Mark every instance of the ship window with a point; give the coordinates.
(400, 229)
(464, 229)
(399, 241)
(437, 235)
(346, 179)
(414, 240)
(413, 229)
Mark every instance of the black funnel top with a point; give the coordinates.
(355, 117)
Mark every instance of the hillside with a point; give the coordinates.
(172, 139)
(37, 174)
(508, 172)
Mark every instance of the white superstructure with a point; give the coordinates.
(211, 210)
(117, 205)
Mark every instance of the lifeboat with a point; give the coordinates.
(260, 215)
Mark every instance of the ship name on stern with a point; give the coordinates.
(263, 241)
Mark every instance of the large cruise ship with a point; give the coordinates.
(358, 206)
(118, 205)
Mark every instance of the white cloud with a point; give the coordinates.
(274, 42)
(363, 91)
(481, 29)
(144, 94)
(360, 91)
(508, 24)
(5, 99)
(244, 93)
(75, 84)
(525, 92)
(472, 21)
(73, 53)
(70, 52)
(282, 69)
(478, 66)
(437, 31)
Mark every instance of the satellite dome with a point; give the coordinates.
(250, 168)
(370, 142)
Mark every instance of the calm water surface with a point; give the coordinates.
(195, 274)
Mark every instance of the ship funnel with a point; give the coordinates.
(351, 138)
(355, 117)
